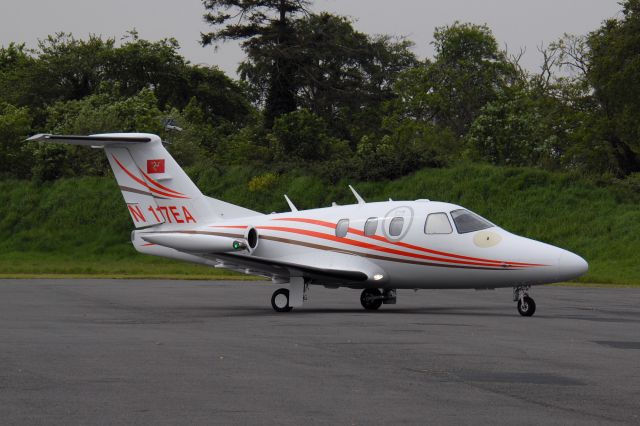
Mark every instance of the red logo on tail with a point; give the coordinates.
(155, 166)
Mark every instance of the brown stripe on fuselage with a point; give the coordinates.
(336, 250)
(374, 256)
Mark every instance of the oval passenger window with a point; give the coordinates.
(395, 227)
(371, 226)
(342, 228)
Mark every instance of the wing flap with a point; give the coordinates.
(284, 269)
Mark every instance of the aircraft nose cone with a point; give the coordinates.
(571, 266)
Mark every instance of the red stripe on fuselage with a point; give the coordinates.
(406, 245)
(369, 246)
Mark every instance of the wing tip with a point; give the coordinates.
(38, 137)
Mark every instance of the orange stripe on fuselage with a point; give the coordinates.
(406, 245)
(369, 246)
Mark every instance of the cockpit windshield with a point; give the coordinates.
(469, 222)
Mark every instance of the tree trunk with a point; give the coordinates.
(281, 95)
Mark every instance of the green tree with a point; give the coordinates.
(266, 28)
(16, 75)
(468, 71)
(138, 64)
(512, 131)
(302, 135)
(102, 112)
(15, 155)
(404, 147)
(64, 68)
(340, 74)
(614, 73)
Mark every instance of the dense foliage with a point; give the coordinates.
(78, 225)
(318, 102)
(316, 94)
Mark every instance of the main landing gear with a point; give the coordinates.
(372, 298)
(280, 300)
(283, 300)
(526, 305)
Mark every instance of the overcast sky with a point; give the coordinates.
(516, 23)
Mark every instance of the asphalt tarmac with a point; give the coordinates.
(192, 352)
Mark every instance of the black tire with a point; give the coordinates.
(277, 300)
(371, 299)
(526, 307)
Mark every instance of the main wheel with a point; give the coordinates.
(526, 306)
(371, 299)
(280, 300)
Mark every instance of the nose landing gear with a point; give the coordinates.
(372, 298)
(526, 305)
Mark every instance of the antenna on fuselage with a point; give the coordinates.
(291, 205)
(358, 197)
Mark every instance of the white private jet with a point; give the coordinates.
(376, 247)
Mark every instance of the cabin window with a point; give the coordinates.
(466, 221)
(342, 228)
(371, 226)
(395, 227)
(437, 223)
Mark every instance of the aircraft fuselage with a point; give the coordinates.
(392, 243)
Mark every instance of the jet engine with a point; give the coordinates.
(196, 243)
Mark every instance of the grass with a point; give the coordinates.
(136, 265)
(79, 227)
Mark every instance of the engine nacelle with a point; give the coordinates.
(195, 243)
(251, 239)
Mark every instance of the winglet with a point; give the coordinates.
(358, 197)
(291, 205)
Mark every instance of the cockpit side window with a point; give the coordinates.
(395, 226)
(371, 226)
(466, 221)
(437, 223)
(342, 228)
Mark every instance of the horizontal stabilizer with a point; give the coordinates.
(156, 189)
(100, 140)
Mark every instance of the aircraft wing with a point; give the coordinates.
(282, 269)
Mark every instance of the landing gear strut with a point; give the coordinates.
(283, 300)
(526, 305)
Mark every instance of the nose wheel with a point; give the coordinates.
(526, 305)
(371, 299)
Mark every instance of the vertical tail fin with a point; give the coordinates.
(153, 185)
